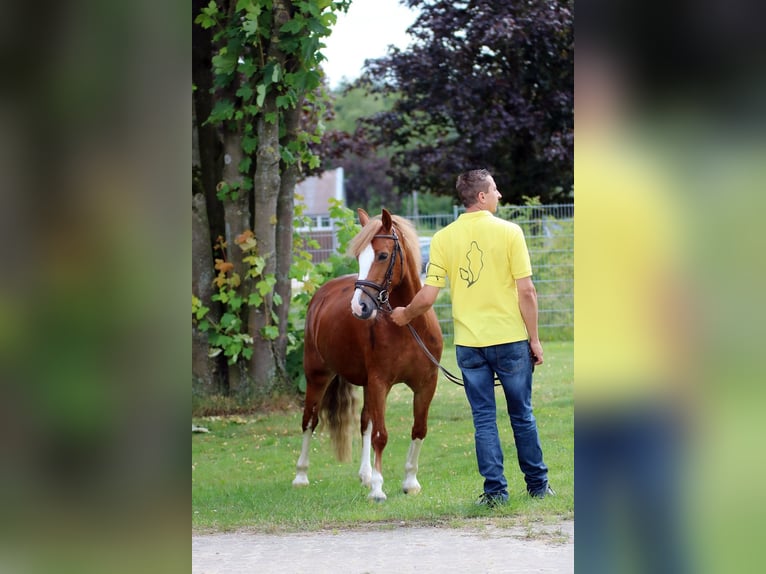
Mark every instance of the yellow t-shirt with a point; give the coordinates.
(483, 256)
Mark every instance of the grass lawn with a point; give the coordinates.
(243, 468)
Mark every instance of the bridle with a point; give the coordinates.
(381, 300)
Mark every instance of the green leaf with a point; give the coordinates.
(245, 92)
(206, 17)
(270, 332)
(247, 353)
(277, 299)
(250, 26)
(236, 302)
(249, 144)
(286, 101)
(222, 110)
(201, 312)
(244, 165)
(203, 325)
(328, 19)
(224, 63)
(248, 67)
(205, 21)
(229, 320)
(275, 74)
(266, 284)
(255, 300)
(287, 156)
(294, 26)
(261, 90)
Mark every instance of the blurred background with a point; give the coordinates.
(668, 166)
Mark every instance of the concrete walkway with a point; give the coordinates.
(397, 549)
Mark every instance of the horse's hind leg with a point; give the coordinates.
(315, 389)
(420, 405)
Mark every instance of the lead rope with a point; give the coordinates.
(450, 377)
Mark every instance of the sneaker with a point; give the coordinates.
(491, 500)
(547, 491)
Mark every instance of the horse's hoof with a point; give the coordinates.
(380, 497)
(412, 490)
(365, 479)
(300, 481)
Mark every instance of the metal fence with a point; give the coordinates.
(549, 231)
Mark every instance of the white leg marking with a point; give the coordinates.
(365, 262)
(365, 469)
(410, 485)
(376, 492)
(301, 477)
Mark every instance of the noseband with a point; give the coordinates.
(381, 300)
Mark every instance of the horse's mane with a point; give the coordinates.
(408, 239)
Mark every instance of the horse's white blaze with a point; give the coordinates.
(301, 476)
(365, 469)
(410, 485)
(376, 492)
(366, 258)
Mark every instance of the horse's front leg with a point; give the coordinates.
(375, 407)
(365, 468)
(410, 484)
(421, 401)
(379, 440)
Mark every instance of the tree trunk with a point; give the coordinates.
(284, 239)
(263, 366)
(266, 182)
(237, 221)
(206, 374)
(208, 138)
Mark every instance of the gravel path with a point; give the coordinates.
(400, 549)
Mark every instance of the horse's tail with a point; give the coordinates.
(338, 410)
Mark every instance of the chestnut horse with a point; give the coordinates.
(351, 340)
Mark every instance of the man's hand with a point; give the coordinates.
(419, 305)
(536, 348)
(399, 316)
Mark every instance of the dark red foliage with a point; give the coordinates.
(485, 84)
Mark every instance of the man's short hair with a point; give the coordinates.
(470, 184)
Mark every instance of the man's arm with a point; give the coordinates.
(528, 307)
(421, 303)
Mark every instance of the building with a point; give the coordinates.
(314, 194)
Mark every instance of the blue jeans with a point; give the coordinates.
(513, 364)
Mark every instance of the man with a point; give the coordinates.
(494, 308)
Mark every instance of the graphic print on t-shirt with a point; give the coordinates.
(475, 257)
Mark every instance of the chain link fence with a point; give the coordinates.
(549, 231)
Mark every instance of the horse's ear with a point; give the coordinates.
(386, 218)
(363, 217)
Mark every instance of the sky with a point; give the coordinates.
(366, 31)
